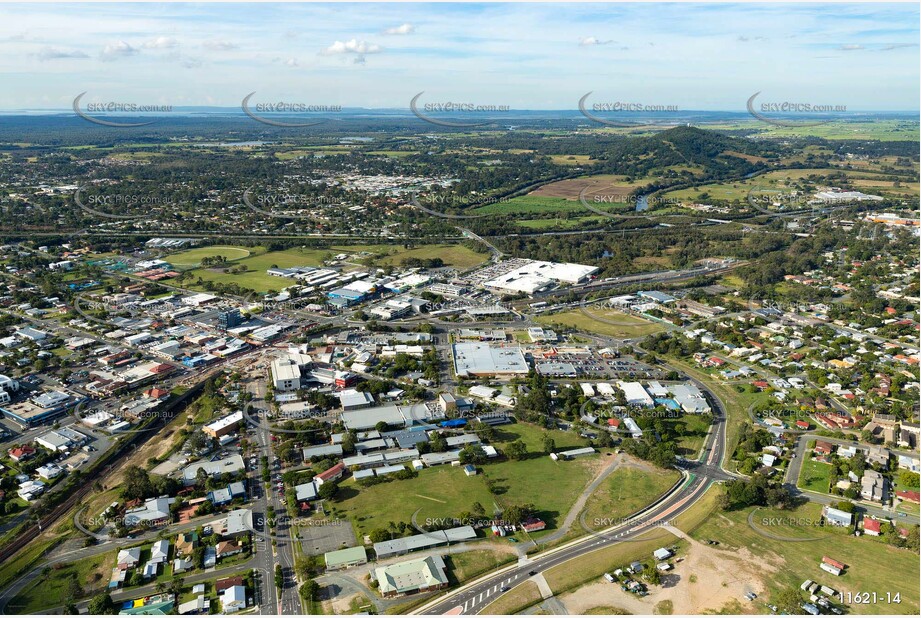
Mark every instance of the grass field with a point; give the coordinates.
(798, 561)
(572, 159)
(592, 565)
(693, 434)
(781, 182)
(193, 257)
(815, 476)
(530, 205)
(627, 326)
(52, 589)
(515, 600)
(440, 492)
(563, 223)
(470, 564)
(625, 492)
(446, 492)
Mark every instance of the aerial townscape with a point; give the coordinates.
(413, 329)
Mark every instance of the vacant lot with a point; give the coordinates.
(440, 492)
(446, 492)
(193, 257)
(626, 491)
(815, 476)
(53, 589)
(786, 563)
(603, 322)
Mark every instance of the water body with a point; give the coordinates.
(642, 203)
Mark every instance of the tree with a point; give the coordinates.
(327, 490)
(309, 590)
(516, 450)
(101, 604)
(788, 601)
(549, 443)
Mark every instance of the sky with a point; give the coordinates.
(526, 56)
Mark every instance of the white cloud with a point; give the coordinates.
(353, 46)
(401, 29)
(219, 45)
(161, 42)
(117, 51)
(291, 62)
(851, 47)
(591, 40)
(53, 53)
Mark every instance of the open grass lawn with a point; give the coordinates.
(446, 492)
(52, 589)
(533, 436)
(551, 486)
(258, 262)
(440, 492)
(20, 563)
(515, 600)
(531, 204)
(592, 565)
(468, 565)
(624, 492)
(564, 223)
(872, 565)
(815, 476)
(626, 327)
(781, 182)
(456, 256)
(692, 435)
(572, 159)
(193, 257)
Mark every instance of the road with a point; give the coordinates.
(475, 596)
(287, 601)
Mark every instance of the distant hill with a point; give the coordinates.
(716, 155)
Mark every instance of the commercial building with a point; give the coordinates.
(472, 359)
(224, 425)
(405, 545)
(394, 415)
(635, 394)
(345, 558)
(423, 575)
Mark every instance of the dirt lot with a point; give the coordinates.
(705, 581)
(605, 184)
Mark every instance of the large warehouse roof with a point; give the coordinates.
(480, 359)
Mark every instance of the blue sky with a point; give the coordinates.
(527, 56)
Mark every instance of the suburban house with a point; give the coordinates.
(836, 517)
(871, 526)
(873, 486)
